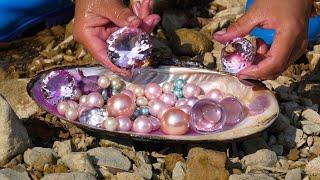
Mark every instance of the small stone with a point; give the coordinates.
(144, 170)
(171, 159)
(291, 137)
(209, 60)
(78, 161)
(179, 171)
(62, 148)
(293, 154)
(304, 152)
(20, 174)
(314, 60)
(254, 144)
(315, 150)
(310, 141)
(311, 115)
(109, 157)
(37, 157)
(310, 128)
(260, 176)
(128, 176)
(294, 174)
(284, 163)
(281, 123)
(263, 157)
(69, 176)
(272, 140)
(278, 149)
(313, 167)
(229, 3)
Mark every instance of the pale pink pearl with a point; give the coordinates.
(155, 106)
(62, 107)
(95, 99)
(130, 94)
(168, 98)
(120, 105)
(111, 124)
(162, 111)
(103, 82)
(155, 123)
(125, 123)
(72, 104)
(190, 90)
(167, 87)
(142, 124)
(185, 108)
(142, 101)
(83, 99)
(138, 90)
(191, 101)
(77, 94)
(175, 122)
(215, 95)
(181, 102)
(152, 91)
(71, 114)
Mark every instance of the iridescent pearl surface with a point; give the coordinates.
(83, 99)
(117, 84)
(106, 94)
(111, 124)
(191, 101)
(178, 93)
(71, 114)
(155, 123)
(103, 82)
(190, 90)
(175, 122)
(142, 101)
(142, 125)
(62, 107)
(95, 99)
(179, 83)
(168, 98)
(120, 105)
(155, 106)
(125, 123)
(130, 94)
(181, 102)
(162, 111)
(185, 108)
(152, 91)
(144, 110)
(215, 94)
(167, 87)
(72, 104)
(138, 90)
(233, 109)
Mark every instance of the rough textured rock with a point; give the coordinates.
(171, 159)
(311, 115)
(144, 170)
(291, 137)
(62, 148)
(69, 176)
(78, 161)
(179, 171)
(37, 157)
(206, 164)
(14, 138)
(258, 176)
(263, 157)
(294, 174)
(128, 176)
(109, 157)
(280, 124)
(254, 144)
(15, 91)
(310, 128)
(8, 174)
(314, 60)
(313, 167)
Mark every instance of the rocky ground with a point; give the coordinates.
(37, 145)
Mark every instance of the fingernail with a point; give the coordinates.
(221, 32)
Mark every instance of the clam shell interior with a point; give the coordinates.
(261, 107)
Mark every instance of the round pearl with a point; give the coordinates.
(142, 101)
(175, 122)
(120, 105)
(168, 98)
(103, 82)
(185, 108)
(215, 95)
(83, 99)
(72, 104)
(125, 123)
(155, 123)
(179, 83)
(62, 107)
(152, 91)
(106, 94)
(167, 87)
(181, 102)
(130, 94)
(155, 106)
(142, 125)
(191, 101)
(162, 111)
(190, 90)
(178, 93)
(138, 90)
(71, 114)
(77, 94)
(117, 84)
(95, 99)
(111, 124)
(144, 110)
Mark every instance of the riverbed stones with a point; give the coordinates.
(62, 147)
(179, 171)
(78, 161)
(69, 176)
(291, 137)
(263, 157)
(251, 176)
(294, 174)
(313, 167)
(37, 157)
(171, 159)
(311, 115)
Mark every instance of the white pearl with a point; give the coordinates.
(62, 107)
(103, 82)
(142, 101)
(111, 124)
(71, 114)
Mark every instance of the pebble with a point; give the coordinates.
(109, 157)
(278, 149)
(310, 128)
(128, 176)
(272, 140)
(62, 148)
(78, 161)
(254, 144)
(311, 115)
(293, 154)
(179, 171)
(251, 176)
(20, 174)
(171, 159)
(69, 176)
(144, 170)
(280, 124)
(37, 157)
(313, 167)
(310, 141)
(291, 137)
(263, 157)
(294, 174)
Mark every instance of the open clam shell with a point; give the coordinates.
(261, 107)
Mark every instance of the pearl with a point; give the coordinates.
(178, 92)
(168, 98)
(142, 101)
(62, 107)
(190, 90)
(117, 84)
(185, 108)
(120, 105)
(181, 102)
(72, 104)
(142, 125)
(233, 109)
(191, 101)
(111, 124)
(175, 122)
(155, 106)
(130, 94)
(152, 91)
(167, 87)
(114, 92)
(125, 123)
(179, 83)
(155, 123)
(103, 82)
(138, 90)
(162, 111)
(71, 114)
(106, 94)
(144, 111)
(77, 94)
(215, 94)
(95, 99)
(83, 99)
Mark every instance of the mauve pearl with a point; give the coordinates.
(111, 124)
(175, 122)
(83, 99)
(185, 108)
(155, 123)
(142, 125)
(191, 101)
(168, 98)
(72, 104)
(138, 90)
(152, 91)
(77, 94)
(167, 87)
(190, 90)
(62, 107)
(120, 105)
(103, 82)
(181, 102)
(215, 95)
(130, 94)
(95, 99)
(117, 84)
(142, 101)
(125, 123)
(155, 106)
(71, 114)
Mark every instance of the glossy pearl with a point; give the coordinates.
(181, 102)
(142, 125)
(138, 90)
(106, 94)
(152, 91)
(155, 123)
(178, 93)
(167, 87)
(120, 105)
(72, 104)
(83, 99)
(125, 123)
(179, 83)
(175, 122)
(117, 84)
(215, 95)
(142, 101)
(62, 107)
(190, 90)
(77, 94)
(168, 98)
(130, 94)
(95, 99)
(191, 101)
(103, 82)
(82, 108)
(162, 111)
(111, 124)
(144, 110)
(185, 108)
(155, 106)
(71, 114)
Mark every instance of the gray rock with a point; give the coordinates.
(179, 171)
(272, 140)
(254, 144)
(278, 149)
(263, 157)
(10, 174)
(144, 170)
(313, 167)
(291, 137)
(280, 124)
(14, 138)
(128, 176)
(311, 115)
(294, 174)
(62, 148)
(258, 176)
(69, 176)
(310, 128)
(78, 161)
(109, 157)
(37, 157)
(173, 19)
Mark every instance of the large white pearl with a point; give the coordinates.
(95, 99)
(62, 107)
(103, 82)
(71, 114)
(152, 91)
(111, 124)
(120, 105)
(142, 101)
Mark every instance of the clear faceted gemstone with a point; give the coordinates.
(94, 117)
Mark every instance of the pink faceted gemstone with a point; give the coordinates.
(233, 109)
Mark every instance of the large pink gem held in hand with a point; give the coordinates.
(207, 116)
(129, 47)
(237, 54)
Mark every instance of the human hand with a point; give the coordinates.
(289, 19)
(95, 20)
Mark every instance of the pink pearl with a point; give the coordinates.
(155, 106)
(191, 101)
(83, 99)
(130, 94)
(185, 108)
(152, 91)
(142, 101)
(138, 90)
(95, 99)
(142, 124)
(120, 105)
(111, 124)
(162, 111)
(155, 123)
(168, 98)
(72, 104)
(181, 102)
(167, 87)
(175, 122)
(103, 82)
(71, 114)
(190, 90)
(215, 95)
(62, 107)
(125, 123)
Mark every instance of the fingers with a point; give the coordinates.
(150, 22)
